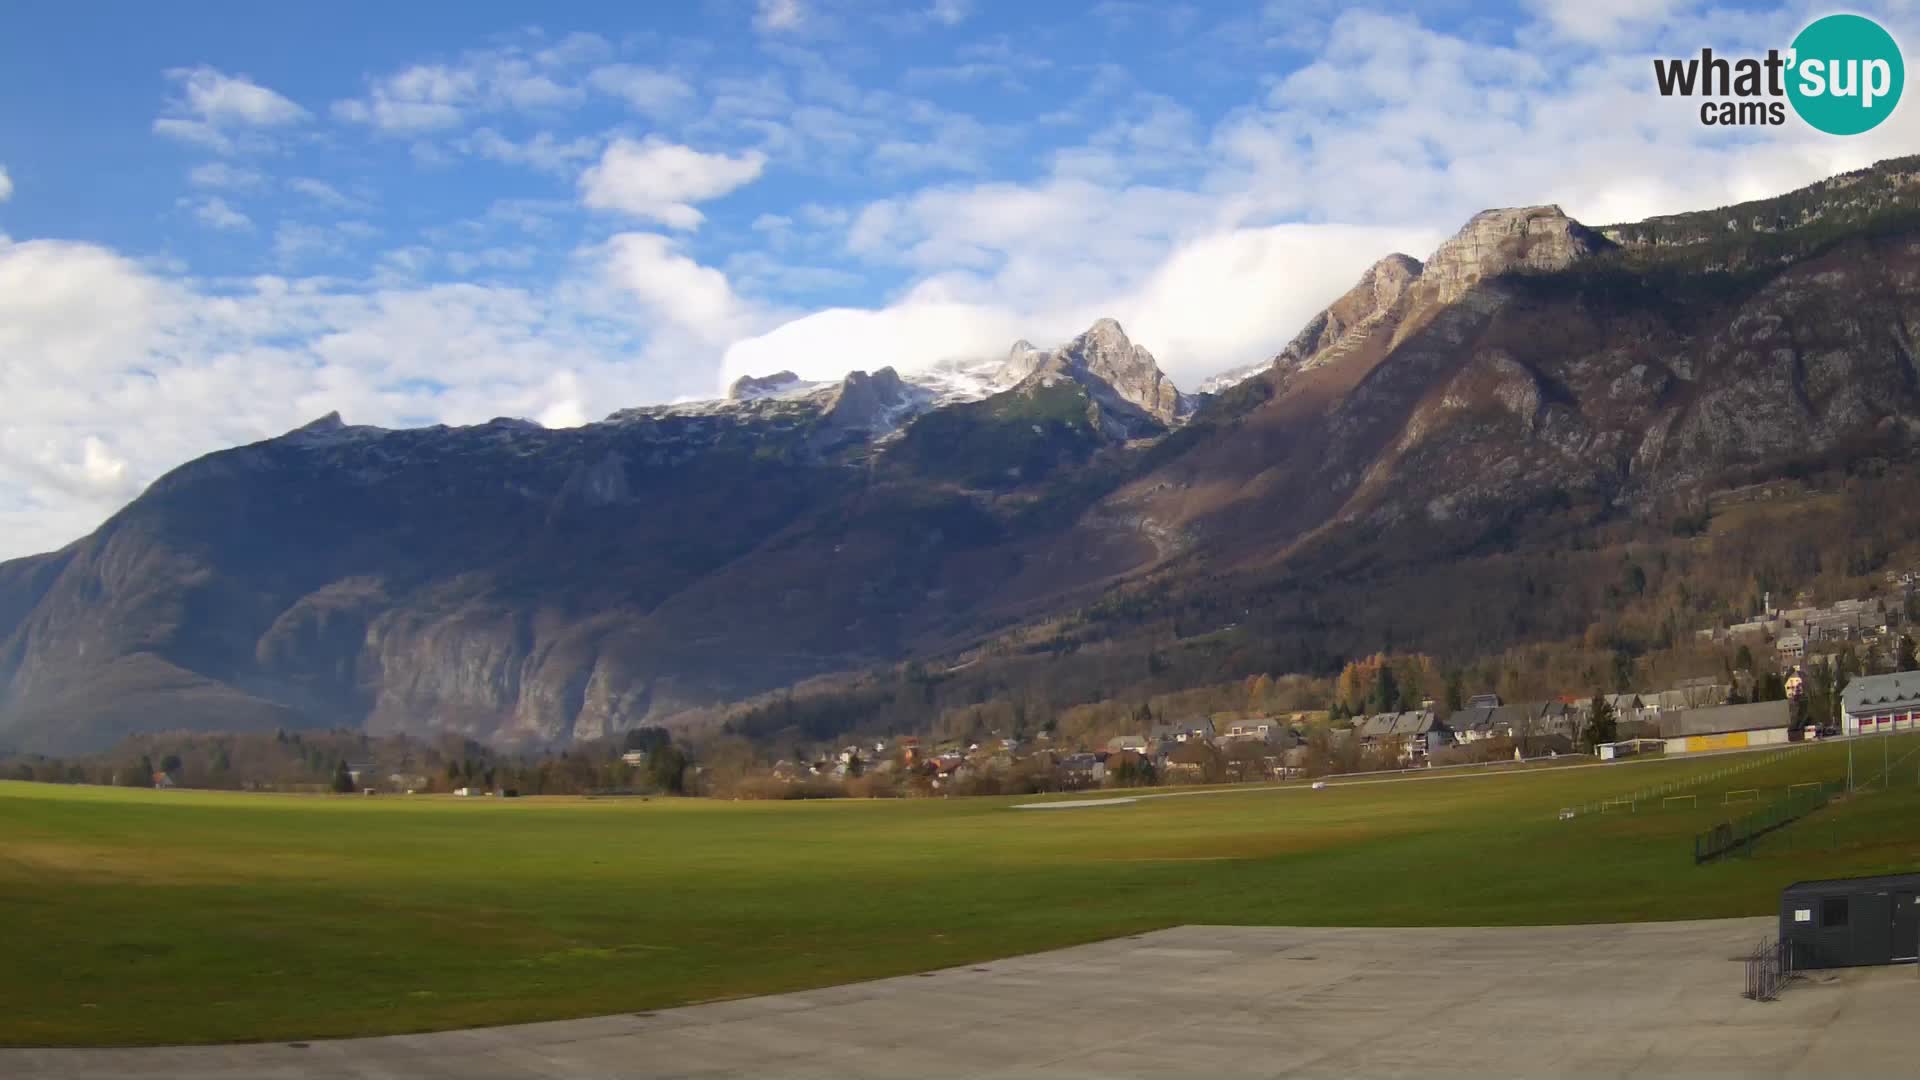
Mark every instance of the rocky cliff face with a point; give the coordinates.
(749, 388)
(1497, 241)
(1123, 377)
(1358, 313)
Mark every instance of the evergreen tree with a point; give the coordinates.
(1386, 692)
(667, 769)
(1602, 724)
(342, 779)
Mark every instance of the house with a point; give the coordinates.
(1876, 703)
(1423, 731)
(1561, 718)
(1264, 730)
(1694, 693)
(635, 758)
(1088, 767)
(1515, 719)
(1473, 723)
(1484, 701)
(1137, 744)
(1633, 711)
(1624, 706)
(1419, 730)
(1372, 729)
(1726, 727)
(1792, 645)
(1187, 730)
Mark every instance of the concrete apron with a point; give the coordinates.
(1645, 999)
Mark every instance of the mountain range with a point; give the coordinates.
(514, 583)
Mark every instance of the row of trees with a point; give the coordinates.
(330, 760)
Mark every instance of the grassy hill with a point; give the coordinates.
(161, 917)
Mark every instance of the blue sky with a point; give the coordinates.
(218, 221)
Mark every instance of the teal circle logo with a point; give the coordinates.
(1847, 74)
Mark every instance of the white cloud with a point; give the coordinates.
(916, 332)
(215, 213)
(694, 298)
(296, 242)
(157, 371)
(214, 109)
(1229, 298)
(224, 176)
(1217, 300)
(648, 91)
(6, 184)
(193, 131)
(426, 98)
(1586, 21)
(321, 192)
(545, 152)
(660, 181)
(775, 16)
(232, 100)
(950, 12)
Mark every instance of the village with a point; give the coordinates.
(1805, 672)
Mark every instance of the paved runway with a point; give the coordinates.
(1654, 999)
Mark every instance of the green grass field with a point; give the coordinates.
(161, 917)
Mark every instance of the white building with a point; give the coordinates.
(1876, 703)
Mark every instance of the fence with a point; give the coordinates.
(1740, 833)
(1631, 803)
(1769, 967)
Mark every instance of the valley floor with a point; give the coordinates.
(149, 918)
(1648, 999)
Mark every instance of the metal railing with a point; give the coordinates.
(1769, 967)
(1740, 833)
(1630, 803)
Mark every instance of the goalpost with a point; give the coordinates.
(1791, 788)
(1690, 800)
(1752, 795)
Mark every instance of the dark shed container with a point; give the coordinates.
(1850, 922)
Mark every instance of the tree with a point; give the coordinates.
(1385, 696)
(1773, 687)
(1602, 723)
(667, 769)
(1743, 659)
(342, 779)
(1259, 692)
(1128, 769)
(1456, 694)
(170, 764)
(645, 739)
(1904, 660)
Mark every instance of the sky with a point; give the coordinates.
(220, 221)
